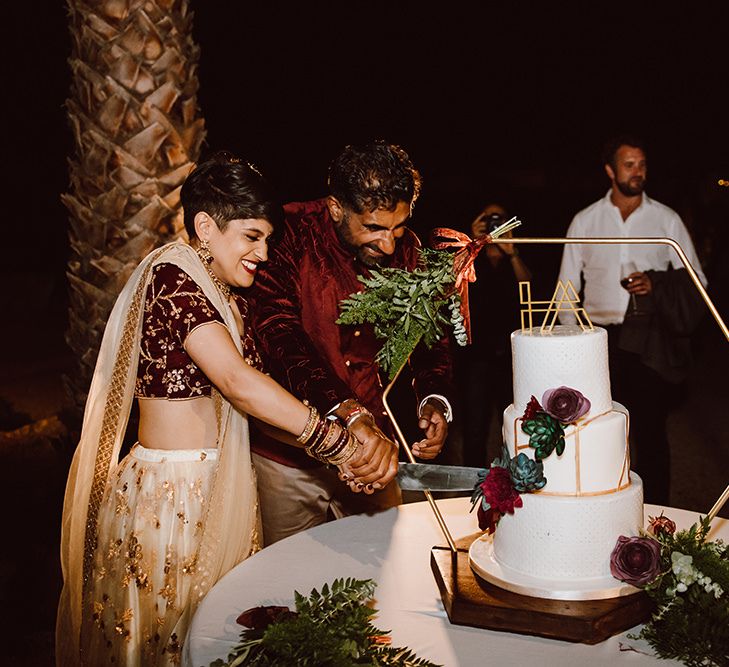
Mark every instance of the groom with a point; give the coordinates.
(326, 244)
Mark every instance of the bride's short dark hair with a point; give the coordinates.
(228, 188)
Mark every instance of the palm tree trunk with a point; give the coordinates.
(137, 129)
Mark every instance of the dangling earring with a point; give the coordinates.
(203, 250)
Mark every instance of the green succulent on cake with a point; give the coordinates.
(546, 435)
(499, 487)
(526, 475)
(545, 425)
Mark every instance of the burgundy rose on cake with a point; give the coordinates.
(499, 487)
(636, 560)
(499, 498)
(565, 404)
(532, 409)
(544, 424)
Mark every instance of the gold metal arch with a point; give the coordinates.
(565, 241)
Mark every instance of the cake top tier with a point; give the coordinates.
(567, 356)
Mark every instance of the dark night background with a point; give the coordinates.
(489, 102)
(492, 102)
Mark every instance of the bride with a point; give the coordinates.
(144, 538)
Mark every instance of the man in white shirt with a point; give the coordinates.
(626, 211)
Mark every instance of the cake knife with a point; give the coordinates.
(423, 476)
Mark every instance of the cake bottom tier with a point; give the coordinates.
(563, 539)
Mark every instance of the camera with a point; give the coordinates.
(493, 220)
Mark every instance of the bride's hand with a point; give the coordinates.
(346, 475)
(374, 463)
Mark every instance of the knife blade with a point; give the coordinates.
(422, 476)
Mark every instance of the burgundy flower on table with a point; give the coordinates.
(532, 408)
(259, 618)
(565, 404)
(498, 491)
(661, 525)
(636, 560)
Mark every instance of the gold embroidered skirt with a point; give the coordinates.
(149, 528)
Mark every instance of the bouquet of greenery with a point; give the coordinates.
(688, 578)
(330, 628)
(406, 307)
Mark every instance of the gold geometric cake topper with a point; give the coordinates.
(564, 298)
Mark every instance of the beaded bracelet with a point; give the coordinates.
(323, 449)
(347, 452)
(311, 423)
(330, 440)
(320, 432)
(316, 445)
(339, 444)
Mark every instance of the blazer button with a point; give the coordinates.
(347, 362)
(357, 332)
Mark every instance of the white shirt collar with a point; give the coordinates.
(645, 201)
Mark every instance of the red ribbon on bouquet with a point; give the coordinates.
(465, 272)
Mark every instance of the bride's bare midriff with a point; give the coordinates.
(180, 424)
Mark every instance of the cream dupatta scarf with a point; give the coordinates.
(230, 527)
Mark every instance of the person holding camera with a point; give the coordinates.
(483, 369)
(489, 219)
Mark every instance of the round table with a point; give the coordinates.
(393, 548)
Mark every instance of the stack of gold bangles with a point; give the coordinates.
(325, 440)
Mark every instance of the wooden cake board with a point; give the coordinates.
(469, 600)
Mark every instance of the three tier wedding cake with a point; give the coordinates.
(564, 428)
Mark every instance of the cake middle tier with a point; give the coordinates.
(596, 458)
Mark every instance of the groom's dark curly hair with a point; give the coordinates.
(373, 176)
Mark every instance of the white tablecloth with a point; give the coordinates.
(393, 548)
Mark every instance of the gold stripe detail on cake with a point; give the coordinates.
(584, 494)
(624, 478)
(578, 486)
(625, 471)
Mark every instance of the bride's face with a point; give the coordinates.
(238, 251)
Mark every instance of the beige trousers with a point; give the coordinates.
(294, 499)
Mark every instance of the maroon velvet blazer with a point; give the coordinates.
(295, 304)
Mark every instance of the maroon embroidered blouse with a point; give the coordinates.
(175, 305)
